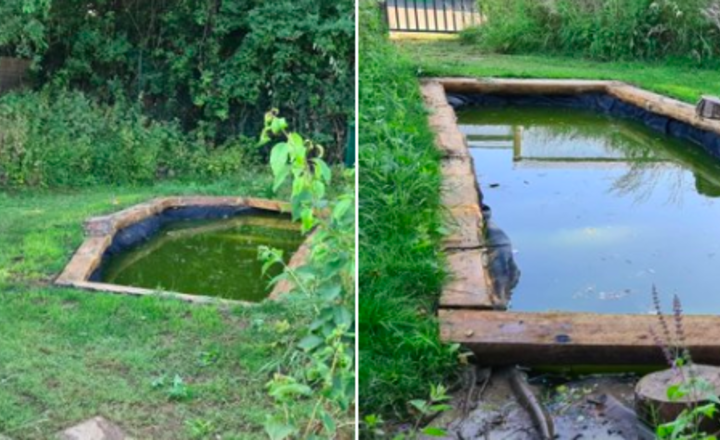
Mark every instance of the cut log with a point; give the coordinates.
(568, 338)
(653, 405)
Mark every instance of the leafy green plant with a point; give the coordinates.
(59, 138)
(23, 30)
(425, 409)
(177, 389)
(212, 66)
(200, 429)
(324, 357)
(688, 424)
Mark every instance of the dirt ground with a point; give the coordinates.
(588, 408)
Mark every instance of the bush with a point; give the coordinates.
(64, 139)
(215, 66)
(603, 29)
(401, 269)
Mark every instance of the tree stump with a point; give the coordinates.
(653, 405)
(708, 107)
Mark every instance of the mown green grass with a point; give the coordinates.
(455, 58)
(401, 269)
(68, 355)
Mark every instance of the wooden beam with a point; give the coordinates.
(566, 338)
(662, 105)
(523, 86)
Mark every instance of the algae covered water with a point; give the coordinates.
(208, 257)
(598, 209)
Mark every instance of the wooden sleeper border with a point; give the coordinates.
(101, 230)
(472, 315)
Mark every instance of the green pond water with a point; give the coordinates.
(216, 258)
(599, 209)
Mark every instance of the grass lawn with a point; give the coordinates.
(454, 58)
(68, 355)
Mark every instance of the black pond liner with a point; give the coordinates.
(142, 231)
(599, 102)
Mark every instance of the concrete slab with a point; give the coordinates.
(97, 428)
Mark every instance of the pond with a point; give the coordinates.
(217, 258)
(598, 209)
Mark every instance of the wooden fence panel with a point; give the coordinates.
(13, 73)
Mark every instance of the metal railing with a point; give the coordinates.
(434, 16)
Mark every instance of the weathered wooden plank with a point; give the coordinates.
(522, 86)
(138, 291)
(465, 226)
(469, 287)
(443, 121)
(663, 105)
(572, 338)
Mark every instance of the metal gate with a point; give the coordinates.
(435, 16)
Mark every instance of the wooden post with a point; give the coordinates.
(13, 72)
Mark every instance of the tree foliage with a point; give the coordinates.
(214, 65)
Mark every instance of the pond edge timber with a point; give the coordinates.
(472, 315)
(101, 231)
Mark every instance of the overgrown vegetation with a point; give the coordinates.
(200, 74)
(401, 224)
(603, 29)
(65, 139)
(322, 366)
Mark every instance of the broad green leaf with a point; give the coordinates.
(342, 316)
(310, 342)
(434, 432)
(296, 140)
(329, 292)
(278, 125)
(676, 392)
(279, 157)
(322, 170)
(277, 429)
(327, 421)
(341, 208)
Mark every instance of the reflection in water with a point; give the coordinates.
(499, 259)
(545, 141)
(599, 209)
(208, 257)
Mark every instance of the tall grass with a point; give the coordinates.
(603, 29)
(401, 268)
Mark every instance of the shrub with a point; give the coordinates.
(64, 139)
(603, 29)
(215, 66)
